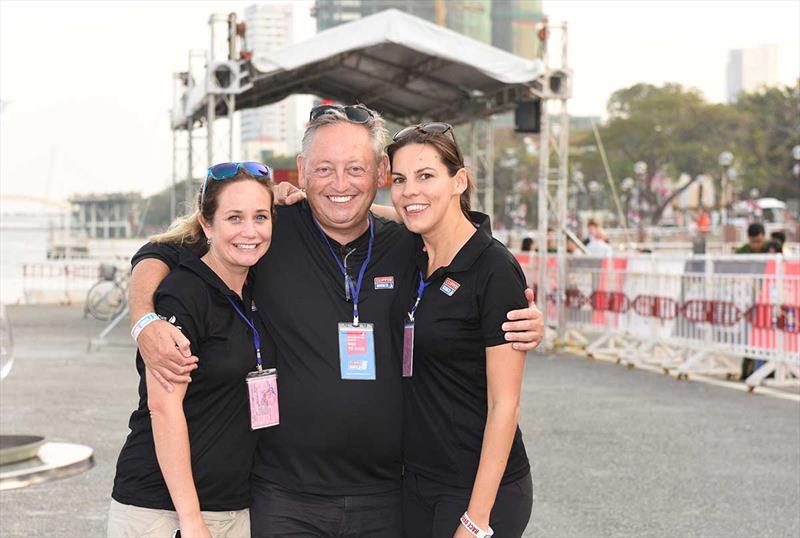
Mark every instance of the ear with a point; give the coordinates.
(301, 171)
(383, 170)
(204, 224)
(462, 181)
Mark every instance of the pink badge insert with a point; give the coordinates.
(408, 350)
(262, 388)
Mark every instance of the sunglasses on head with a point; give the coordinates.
(354, 113)
(223, 171)
(434, 127)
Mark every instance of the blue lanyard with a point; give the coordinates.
(420, 291)
(354, 290)
(256, 336)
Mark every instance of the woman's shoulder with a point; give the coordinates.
(183, 283)
(497, 257)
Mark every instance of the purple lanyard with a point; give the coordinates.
(420, 291)
(256, 336)
(354, 289)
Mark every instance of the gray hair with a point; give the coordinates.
(376, 126)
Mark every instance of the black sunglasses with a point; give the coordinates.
(354, 113)
(434, 127)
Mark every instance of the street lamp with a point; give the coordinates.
(640, 170)
(725, 161)
(627, 186)
(796, 167)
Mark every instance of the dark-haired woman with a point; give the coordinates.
(466, 470)
(186, 462)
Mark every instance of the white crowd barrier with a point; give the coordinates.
(686, 314)
(58, 281)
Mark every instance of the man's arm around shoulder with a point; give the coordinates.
(164, 349)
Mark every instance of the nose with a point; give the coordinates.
(249, 229)
(340, 182)
(410, 188)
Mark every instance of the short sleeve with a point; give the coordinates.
(501, 288)
(169, 253)
(182, 300)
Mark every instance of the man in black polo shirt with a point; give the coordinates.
(333, 465)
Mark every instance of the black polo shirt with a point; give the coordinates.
(222, 445)
(445, 401)
(336, 437)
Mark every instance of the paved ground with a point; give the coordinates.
(616, 452)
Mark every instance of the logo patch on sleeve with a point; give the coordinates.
(449, 287)
(384, 282)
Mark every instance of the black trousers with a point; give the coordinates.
(279, 513)
(433, 510)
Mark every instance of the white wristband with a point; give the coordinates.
(474, 529)
(143, 322)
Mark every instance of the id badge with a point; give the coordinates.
(357, 351)
(408, 349)
(262, 388)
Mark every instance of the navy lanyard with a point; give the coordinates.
(256, 336)
(354, 290)
(420, 291)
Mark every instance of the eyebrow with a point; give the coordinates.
(423, 169)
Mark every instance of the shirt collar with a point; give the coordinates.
(468, 254)
(199, 268)
(360, 241)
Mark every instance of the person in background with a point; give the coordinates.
(778, 237)
(186, 462)
(466, 469)
(756, 242)
(774, 247)
(527, 244)
(597, 244)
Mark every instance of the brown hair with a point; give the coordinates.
(187, 230)
(445, 145)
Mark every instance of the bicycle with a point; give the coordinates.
(109, 296)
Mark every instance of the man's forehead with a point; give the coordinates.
(340, 142)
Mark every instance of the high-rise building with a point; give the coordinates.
(272, 129)
(750, 69)
(514, 26)
(505, 24)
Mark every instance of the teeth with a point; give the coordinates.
(246, 247)
(415, 207)
(340, 199)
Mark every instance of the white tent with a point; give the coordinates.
(403, 66)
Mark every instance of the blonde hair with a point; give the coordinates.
(187, 230)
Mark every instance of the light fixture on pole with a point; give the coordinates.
(725, 161)
(796, 167)
(627, 186)
(640, 170)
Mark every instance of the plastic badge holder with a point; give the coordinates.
(262, 388)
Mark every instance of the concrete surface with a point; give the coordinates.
(615, 452)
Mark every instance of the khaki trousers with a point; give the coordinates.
(126, 521)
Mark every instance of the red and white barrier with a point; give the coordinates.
(692, 314)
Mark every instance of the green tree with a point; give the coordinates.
(764, 159)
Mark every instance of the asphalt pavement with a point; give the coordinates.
(615, 452)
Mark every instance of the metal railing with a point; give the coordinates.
(689, 314)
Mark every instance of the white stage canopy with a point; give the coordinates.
(406, 68)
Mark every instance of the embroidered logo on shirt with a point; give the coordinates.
(449, 287)
(384, 282)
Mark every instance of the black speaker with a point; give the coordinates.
(527, 116)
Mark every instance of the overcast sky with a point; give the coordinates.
(86, 86)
